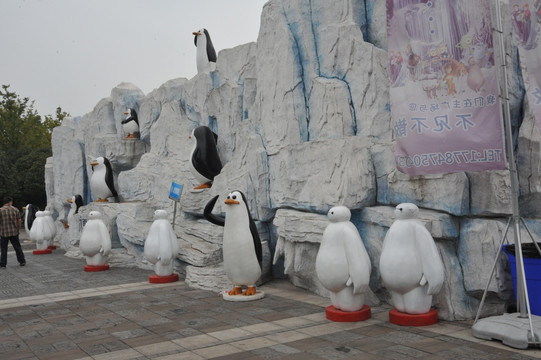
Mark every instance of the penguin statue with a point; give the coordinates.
(29, 216)
(130, 124)
(242, 250)
(410, 264)
(101, 182)
(206, 55)
(52, 227)
(95, 241)
(161, 244)
(342, 263)
(205, 162)
(41, 233)
(76, 202)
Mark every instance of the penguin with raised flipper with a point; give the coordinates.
(130, 124)
(410, 264)
(102, 182)
(206, 55)
(242, 250)
(205, 162)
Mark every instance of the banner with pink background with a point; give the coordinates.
(444, 90)
(526, 20)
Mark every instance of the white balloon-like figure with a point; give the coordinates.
(410, 264)
(52, 227)
(41, 232)
(342, 263)
(161, 245)
(95, 241)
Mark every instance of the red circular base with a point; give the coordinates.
(42, 252)
(157, 279)
(334, 314)
(52, 247)
(400, 318)
(94, 268)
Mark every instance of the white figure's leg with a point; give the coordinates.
(398, 301)
(42, 245)
(163, 270)
(417, 301)
(346, 300)
(97, 259)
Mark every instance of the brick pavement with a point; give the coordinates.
(68, 314)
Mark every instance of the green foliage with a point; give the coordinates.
(25, 144)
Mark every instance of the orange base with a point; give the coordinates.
(157, 279)
(334, 314)
(94, 268)
(42, 252)
(399, 318)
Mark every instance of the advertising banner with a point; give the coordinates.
(444, 87)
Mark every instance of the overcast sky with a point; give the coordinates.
(71, 53)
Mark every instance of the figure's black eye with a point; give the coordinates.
(332, 212)
(234, 197)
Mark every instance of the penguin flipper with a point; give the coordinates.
(207, 213)
(257, 241)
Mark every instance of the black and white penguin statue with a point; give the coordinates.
(206, 55)
(205, 162)
(29, 216)
(242, 250)
(102, 182)
(76, 202)
(130, 124)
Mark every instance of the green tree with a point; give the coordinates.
(25, 144)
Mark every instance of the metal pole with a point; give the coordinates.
(523, 303)
(174, 214)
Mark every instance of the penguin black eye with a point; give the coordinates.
(234, 197)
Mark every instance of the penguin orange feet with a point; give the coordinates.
(202, 186)
(249, 291)
(101, 200)
(237, 290)
(130, 136)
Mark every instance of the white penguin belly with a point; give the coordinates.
(400, 266)
(332, 267)
(131, 127)
(98, 186)
(240, 260)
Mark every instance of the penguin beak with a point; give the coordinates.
(231, 202)
(196, 33)
(94, 163)
(69, 200)
(126, 113)
(24, 207)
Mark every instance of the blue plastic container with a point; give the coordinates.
(532, 269)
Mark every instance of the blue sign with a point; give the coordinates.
(175, 192)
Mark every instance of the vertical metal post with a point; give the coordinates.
(174, 214)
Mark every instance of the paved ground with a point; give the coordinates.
(52, 309)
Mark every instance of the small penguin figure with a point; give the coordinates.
(29, 217)
(41, 231)
(130, 124)
(242, 250)
(410, 264)
(206, 55)
(76, 202)
(95, 241)
(205, 162)
(342, 263)
(161, 244)
(52, 227)
(101, 182)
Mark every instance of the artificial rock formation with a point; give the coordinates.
(303, 124)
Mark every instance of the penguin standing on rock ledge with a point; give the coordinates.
(206, 55)
(205, 162)
(242, 249)
(102, 183)
(131, 124)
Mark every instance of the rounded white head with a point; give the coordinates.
(234, 198)
(99, 162)
(93, 215)
(40, 214)
(406, 211)
(339, 214)
(160, 214)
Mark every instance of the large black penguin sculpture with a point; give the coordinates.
(130, 124)
(102, 183)
(206, 55)
(242, 251)
(205, 162)
(29, 217)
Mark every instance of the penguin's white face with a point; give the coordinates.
(406, 211)
(98, 162)
(234, 198)
(94, 215)
(160, 214)
(339, 214)
(128, 113)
